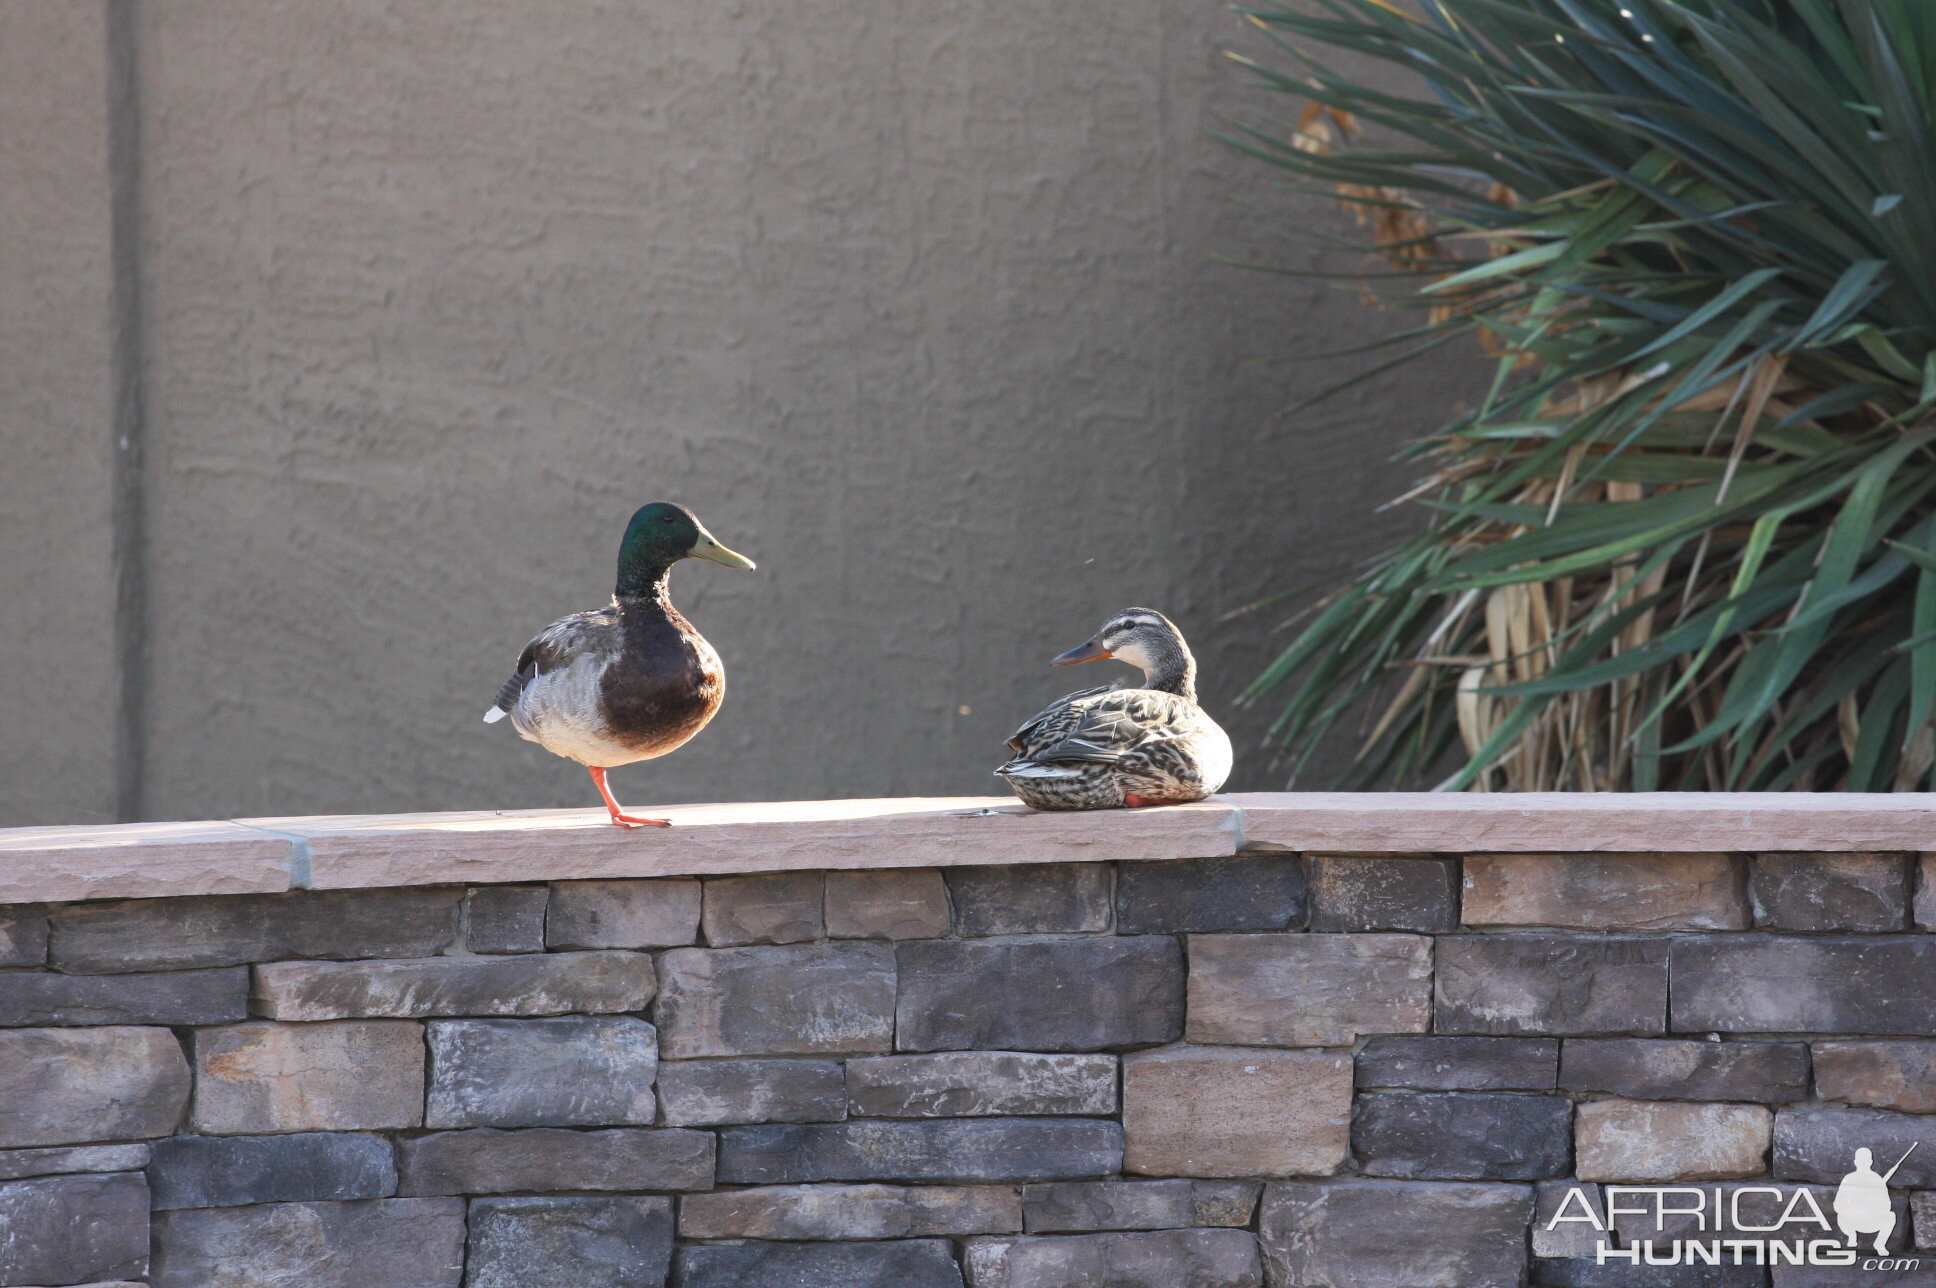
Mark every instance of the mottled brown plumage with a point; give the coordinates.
(1109, 747)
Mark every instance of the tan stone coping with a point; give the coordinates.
(59, 864)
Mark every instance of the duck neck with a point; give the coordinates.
(643, 584)
(1172, 671)
(1181, 681)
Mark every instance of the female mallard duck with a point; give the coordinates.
(630, 681)
(1109, 747)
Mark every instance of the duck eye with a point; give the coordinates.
(665, 518)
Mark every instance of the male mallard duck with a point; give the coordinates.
(629, 681)
(1109, 747)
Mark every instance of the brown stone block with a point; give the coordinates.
(769, 908)
(912, 904)
(1605, 891)
(72, 1086)
(1307, 990)
(1657, 1142)
(1886, 1075)
(349, 1075)
(1236, 1111)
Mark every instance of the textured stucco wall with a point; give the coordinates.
(58, 678)
(918, 305)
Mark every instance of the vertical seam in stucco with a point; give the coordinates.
(127, 503)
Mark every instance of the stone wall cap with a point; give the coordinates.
(1574, 822)
(269, 855)
(139, 860)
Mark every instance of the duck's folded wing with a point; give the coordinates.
(1112, 729)
(553, 647)
(1049, 725)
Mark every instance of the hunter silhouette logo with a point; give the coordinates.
(1752, 1224)
(1862, 1202)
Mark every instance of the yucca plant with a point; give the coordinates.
(1687, 540)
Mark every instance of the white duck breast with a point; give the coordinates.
(560, 711)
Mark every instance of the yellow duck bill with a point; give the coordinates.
(708, 547)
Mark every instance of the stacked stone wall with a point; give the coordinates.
(1296, 1070)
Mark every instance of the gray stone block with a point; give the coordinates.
(897, 903)
(1395, 1234)
(506, 919)
(1460, 1064)
(660, 913)
(72, 1229)
(826, 1212)
(1555, 984)
(1882, 1075)
(73, 1086)
(489, 1161)
(1790, 984)
(1853, 892)
(232, 1171)
(1923, 1206)
(710, 1093)
(1570, 1219)
(981, 1083)
(575, 1071)
(1163, 1259)
(959, 1151)
(803, 999)
(1081, 1207)
(16, 1163)
(1588, 1273)
(1915, 1273)
(229, 930)
(1047, 995)
(1238, 892)
(1673, 1069)
(23, 937)
(1364, 892)
(765, 908)
(543, 984)
(1819, 1145)
(1307, 990)
(383, 1243)
(351, 1075)
(570, 1243)
(1030, 899)
(907, 1263)
(175, 998)
(1463, 1136)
